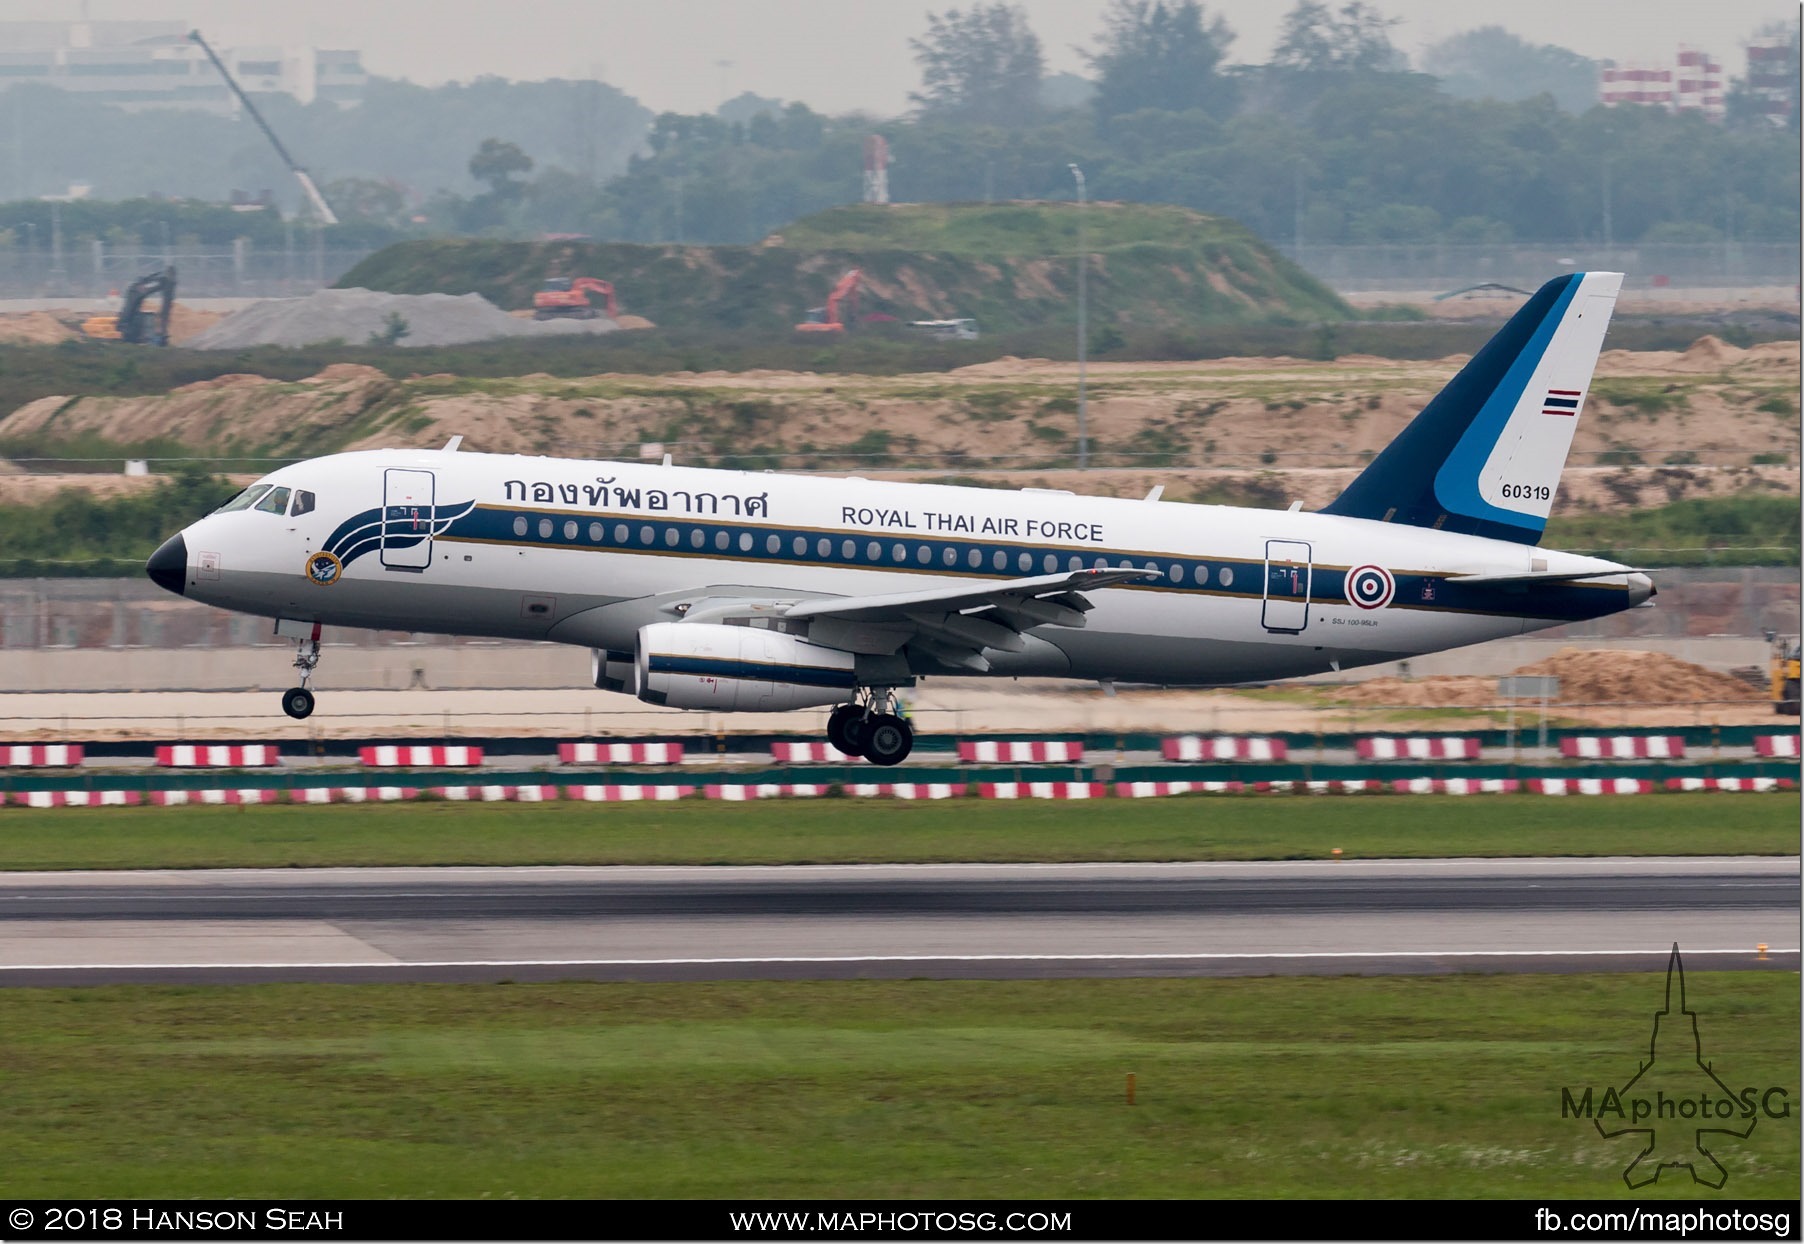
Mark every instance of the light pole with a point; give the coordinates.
(1083, 262)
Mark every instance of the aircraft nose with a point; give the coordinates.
(1641, 589)
(168, 566)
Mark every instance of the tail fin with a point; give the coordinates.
(1484, 457)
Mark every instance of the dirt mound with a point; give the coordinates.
(1712, 352)
(348, 371)
(357, 316)
(1444, 691)
(1587, 676)
(1608, 675)
(34, 328)
(230, 380)
(186, 323)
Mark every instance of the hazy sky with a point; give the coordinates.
(835, 55)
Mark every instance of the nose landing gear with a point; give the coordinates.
(297, 702)
(873, 729)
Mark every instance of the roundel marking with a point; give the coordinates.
(1370, 587)
(324, 568)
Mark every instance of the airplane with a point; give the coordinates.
(761, 592)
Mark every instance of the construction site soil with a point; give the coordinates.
(1587, 676)
(1659, 426)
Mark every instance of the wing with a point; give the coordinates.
(954, 625)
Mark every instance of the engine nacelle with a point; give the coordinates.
(739, 669)
(614, 671)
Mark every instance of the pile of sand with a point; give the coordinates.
(34, 328)
(1587, 676)
(1603, 675)
(358, 316)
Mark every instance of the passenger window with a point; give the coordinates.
(275, 503)
(303, 503)
(244, 500)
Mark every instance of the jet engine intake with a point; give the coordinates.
(614, 671)
(739, 669)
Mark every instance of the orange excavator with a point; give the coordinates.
(828, 319)
(567, 298)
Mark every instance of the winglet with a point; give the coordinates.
(1484, 457)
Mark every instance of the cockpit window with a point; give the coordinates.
(275, 503)
(303, 503)
(244, 500)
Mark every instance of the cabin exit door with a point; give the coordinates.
(1287, 572)
(407, 501)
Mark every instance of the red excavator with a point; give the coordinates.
(828, 319)
(567, 298)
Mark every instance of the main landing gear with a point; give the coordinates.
(872, 729)
(297, 702)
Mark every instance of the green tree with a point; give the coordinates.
(982, 65)
(496, 162)
(1164, 55)
(1492, 63)
(1353, 39)
(366, 199)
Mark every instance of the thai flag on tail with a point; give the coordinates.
(1560, 402)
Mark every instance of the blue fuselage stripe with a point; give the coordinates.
(726, 540)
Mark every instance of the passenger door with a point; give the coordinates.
(1287, 567)
(407, 510)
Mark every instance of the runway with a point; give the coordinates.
(950, 921)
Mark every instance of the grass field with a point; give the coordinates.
(1277, 1087)
(802, 831)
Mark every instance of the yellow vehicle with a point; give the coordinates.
(135, 322)
(1785, 675)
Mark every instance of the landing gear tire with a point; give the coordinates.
(297, 702)
(887, 740)
(845, 729)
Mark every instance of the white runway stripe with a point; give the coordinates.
(1662, 951)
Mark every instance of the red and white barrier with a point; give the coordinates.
(171, 798)
(1589, 786)
(75, 798)
(763, 790)
(1623, 747)
(1193, 747)
(351, 794)
(620, 753)
(410, 755)
(1385, 748)
(1356, 787)
(1742, 784)
(808, 753)
(1158, 790)
(39, 755)
(1042, 790)
(907, 790)
(628, 794)
(1036, 752)
(327, 794)
(1456, 786)
(1777, 746)
(218, 755)
(496, 794)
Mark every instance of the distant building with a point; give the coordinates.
(1773, 76)
(1698, 85)
(1635, 83)
(155, 65)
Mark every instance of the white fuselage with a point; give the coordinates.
(587, 553)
